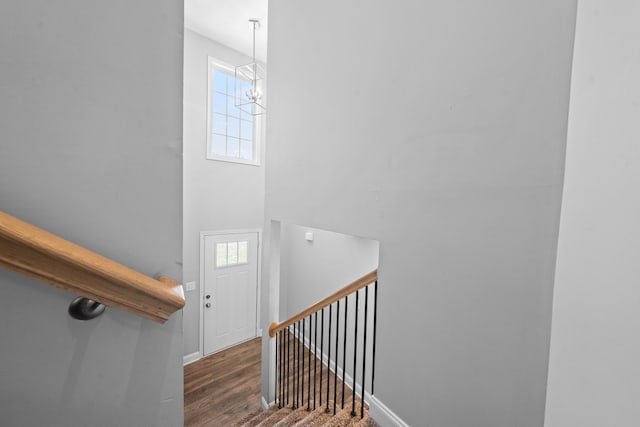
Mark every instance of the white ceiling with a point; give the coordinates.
(227, 22)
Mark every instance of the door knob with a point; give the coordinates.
(208, 296)
(207, 305)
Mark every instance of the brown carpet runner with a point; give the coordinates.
(287, 417)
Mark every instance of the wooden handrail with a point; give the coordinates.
(365, 280)
(36, 253)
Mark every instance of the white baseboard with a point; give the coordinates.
(380, 413)
(190, 358)
(264, 403)
(384, 416)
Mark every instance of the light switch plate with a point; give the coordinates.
(190, 286)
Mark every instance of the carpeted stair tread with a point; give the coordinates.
(366, 422)
(293, 417)
(314, 418)
(247, 418)
(300, 417)
(257, 417)
(342, 418)
(362, 422)
(276, 417)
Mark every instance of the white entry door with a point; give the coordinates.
(230, 289)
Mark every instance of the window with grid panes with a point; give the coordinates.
(231, 253)
(231, 130)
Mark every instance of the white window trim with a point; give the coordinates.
(257, 120)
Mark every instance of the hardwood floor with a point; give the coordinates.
(224, 387)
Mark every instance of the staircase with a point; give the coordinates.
(301, 417)
(320, 356)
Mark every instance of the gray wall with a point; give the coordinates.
(90, 144)
(217, 195)
(593, 369)
(310, 271)
(437, 128)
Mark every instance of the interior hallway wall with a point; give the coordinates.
(594, 372)
(313, 270)
(437, 128)
(217, 195)
(90, 150)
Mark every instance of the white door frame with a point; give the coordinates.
(204, 234)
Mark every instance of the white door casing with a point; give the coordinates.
(229, 288)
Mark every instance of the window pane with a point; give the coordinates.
(232, 255)
(219, 81)
(242, 252)
(219, 123)
(232, 110)
(219, 103)
(236, 88)
(221, 254)
(246, 149)
(233, 147)
(219, 145)
(247, 111)
(233, 127)
(246, 130)
(246, 86)
(239, 90)
(232, 130)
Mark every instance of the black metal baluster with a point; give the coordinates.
(288, 347)
(344, 347)
(275, 391)
(275, 395)
(299, 358)
(298, 366)
(282, 364)
(309, 371)
(288, 363)
(364, 351)
(281, 401)
(302, 354)
(329, 361)
(279, 370)
(293, 371)
(315, 354)
(375, 316)
(293, 365)
(355, 353)
(335, 365)
(321, 353)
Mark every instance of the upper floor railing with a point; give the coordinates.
(339, 329)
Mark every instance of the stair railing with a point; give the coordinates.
(35, 253)
(293, 339)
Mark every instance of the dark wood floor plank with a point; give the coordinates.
(224, 387)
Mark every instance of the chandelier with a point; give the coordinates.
(248, 82)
